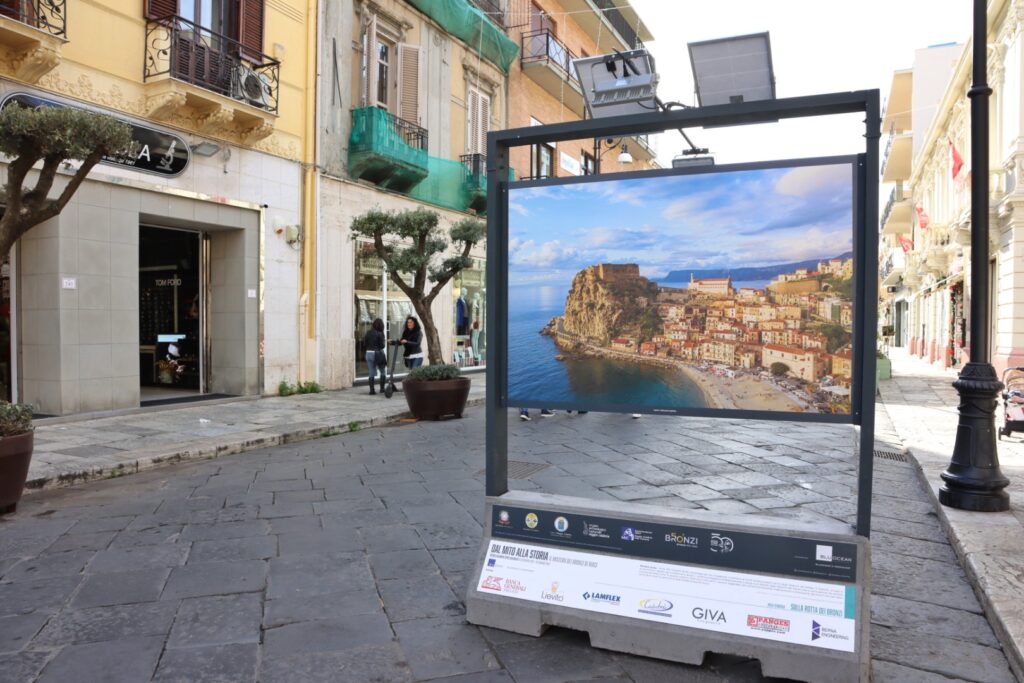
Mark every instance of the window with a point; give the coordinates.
(382, 65)
(539, 19)
(390, 70)
(478, 121)
(542, 161)
(588, 163)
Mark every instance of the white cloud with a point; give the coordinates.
(807, 180)
(518, 208)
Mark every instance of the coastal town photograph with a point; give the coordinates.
(727, 290)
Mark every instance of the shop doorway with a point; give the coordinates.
(172, 314)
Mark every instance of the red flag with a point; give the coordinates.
(958, 161)
(906, 243)
(922, 217)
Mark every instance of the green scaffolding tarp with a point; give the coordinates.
(464, 21)
(378, 151)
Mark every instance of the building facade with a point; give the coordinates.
(925, 251)
(176, 273)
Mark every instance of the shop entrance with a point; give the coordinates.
(172, 309)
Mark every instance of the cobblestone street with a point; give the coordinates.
(346, 558)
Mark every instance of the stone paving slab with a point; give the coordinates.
(69, 451)
(921, 405)
(346, 558)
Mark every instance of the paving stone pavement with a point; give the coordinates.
(79, 448)
(346, 558)
(922, 404)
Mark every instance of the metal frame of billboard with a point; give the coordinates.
(865, 209)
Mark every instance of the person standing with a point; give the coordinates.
(376, 358)
(411, 341)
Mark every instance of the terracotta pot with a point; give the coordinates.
(15, 455)
(436, 398)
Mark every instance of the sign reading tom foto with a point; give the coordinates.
(153, 151)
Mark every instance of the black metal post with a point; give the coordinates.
(973, 480)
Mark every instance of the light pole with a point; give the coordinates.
(973, 480)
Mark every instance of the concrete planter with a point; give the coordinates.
(434, 399)
(15, 456)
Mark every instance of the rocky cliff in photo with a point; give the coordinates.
(606, 301)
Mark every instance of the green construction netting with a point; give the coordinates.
(378, 151)
(464, 21)
(446, 184)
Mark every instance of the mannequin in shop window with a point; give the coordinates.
(462, 314)
(474, 338)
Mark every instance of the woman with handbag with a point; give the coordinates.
(376, 357)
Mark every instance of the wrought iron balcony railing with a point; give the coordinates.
(620, 24)
(895, 196)
(49, 16)
(540, 46)
(187, 52)
(492, 9)
(476, 165)
(888, 146)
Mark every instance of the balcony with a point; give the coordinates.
(32, 33)
(897, 216)
(549, 64)
(613, 24)
(897, 159)
(386, 150)
(476, 181)
(892, 267)
(493, 11)
(231, 89)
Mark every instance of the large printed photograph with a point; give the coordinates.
(729, 289)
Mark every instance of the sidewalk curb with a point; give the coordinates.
(997, 610)
(152, 458)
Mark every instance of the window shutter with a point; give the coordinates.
(472, 122)
(484, 122)
(158, 9)
(250, 28)
(370, 94)
(409, 82)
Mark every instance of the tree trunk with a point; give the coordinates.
(429, 331)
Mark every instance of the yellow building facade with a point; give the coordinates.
(180, 273)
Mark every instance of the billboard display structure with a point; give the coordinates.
(686, 291)
(741, 291)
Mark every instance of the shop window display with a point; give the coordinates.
(376, 297)
(468, 290)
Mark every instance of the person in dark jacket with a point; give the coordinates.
(376, 358)
(411, 341)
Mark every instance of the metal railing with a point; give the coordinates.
(888, 147)
(542, 45)
(895, 196)
(492, 9)
(49, 16)
(476, 165)
(619, 23)
(188, 52)
(414, 136)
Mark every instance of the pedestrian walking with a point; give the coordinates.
(411, 341)
(376, 357)
(524, 414)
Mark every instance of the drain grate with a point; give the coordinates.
(517, 469)
(891, 455)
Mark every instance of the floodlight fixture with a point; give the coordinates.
(624, 156)
(205, 149)
(733, 70)
(689, 161)
(618, 83)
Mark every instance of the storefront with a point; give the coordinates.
(377, 296)
(469, 289)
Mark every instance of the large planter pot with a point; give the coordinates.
(15, 456)
(883, 368)
(432, 400)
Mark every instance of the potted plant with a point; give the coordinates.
(436, 391)
(883, 366)
(15, 452)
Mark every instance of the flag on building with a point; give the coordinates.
(906, 243)
(922, 217)
(958, 161)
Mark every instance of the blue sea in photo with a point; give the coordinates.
(535, 375)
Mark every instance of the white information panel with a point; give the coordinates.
(814, 613)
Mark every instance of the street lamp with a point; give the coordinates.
(973, 480)
(732, 70)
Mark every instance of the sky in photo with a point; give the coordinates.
(708, 220)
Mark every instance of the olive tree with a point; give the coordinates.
(51, 135)
(420, 258)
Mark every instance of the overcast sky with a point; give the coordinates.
(818, 46)
(713, 220)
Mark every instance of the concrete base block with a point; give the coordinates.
(673, 641)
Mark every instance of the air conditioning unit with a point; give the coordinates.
(250, 86)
